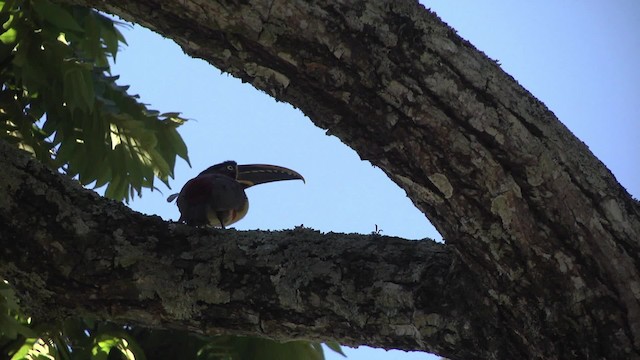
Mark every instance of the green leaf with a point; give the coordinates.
(110, 36)
(127, 346)
(78, 89)
(11, 328)
(335, 346)
(24, 350)
(172, 115)
(91, 42)
(114, 189)
(66, 151)
(59, 69)
(103, 346)
(9, 36)
(180, 148)
(34, 75)
(56, 15)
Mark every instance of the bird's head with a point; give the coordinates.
(248, 175)
(228, 168)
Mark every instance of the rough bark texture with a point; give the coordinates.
(70, 252)
(542, 255)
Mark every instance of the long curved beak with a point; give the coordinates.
(255, 174)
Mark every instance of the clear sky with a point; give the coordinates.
(581, 58)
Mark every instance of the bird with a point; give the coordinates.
(216, 197)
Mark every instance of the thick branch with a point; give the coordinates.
(70, 252)
(549, 233)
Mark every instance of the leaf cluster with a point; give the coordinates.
(59, 101)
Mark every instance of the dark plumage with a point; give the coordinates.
(216, 196)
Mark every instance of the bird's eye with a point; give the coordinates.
(229, 167)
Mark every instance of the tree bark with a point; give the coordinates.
(70, 252)
(541, 240)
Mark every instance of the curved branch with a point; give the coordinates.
(547, 231)
(70, 252)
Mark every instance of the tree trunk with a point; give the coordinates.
(541, 256)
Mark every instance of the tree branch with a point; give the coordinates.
(70, 252)
(544, 227)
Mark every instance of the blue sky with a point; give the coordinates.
(578, 57)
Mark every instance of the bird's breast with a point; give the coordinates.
(209, 197)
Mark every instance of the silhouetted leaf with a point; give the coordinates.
(335, 346)
(56, 15)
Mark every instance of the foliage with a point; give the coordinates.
(59, 101)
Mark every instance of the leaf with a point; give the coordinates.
(11, 328)
(105, 343)
(175, 141)
(93, 169)
(103, 178)
(9, 36)
(335, 346)
(91, 42)
(24, 350)
(110, 37)
(134, 170)
(62, 52)
(60, 347)
(65, 151)
(172, 115)
(56, 15)
(78, 89)
(103, 346)
(34, 76)
(114, 189)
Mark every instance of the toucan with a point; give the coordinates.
(216, 196)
